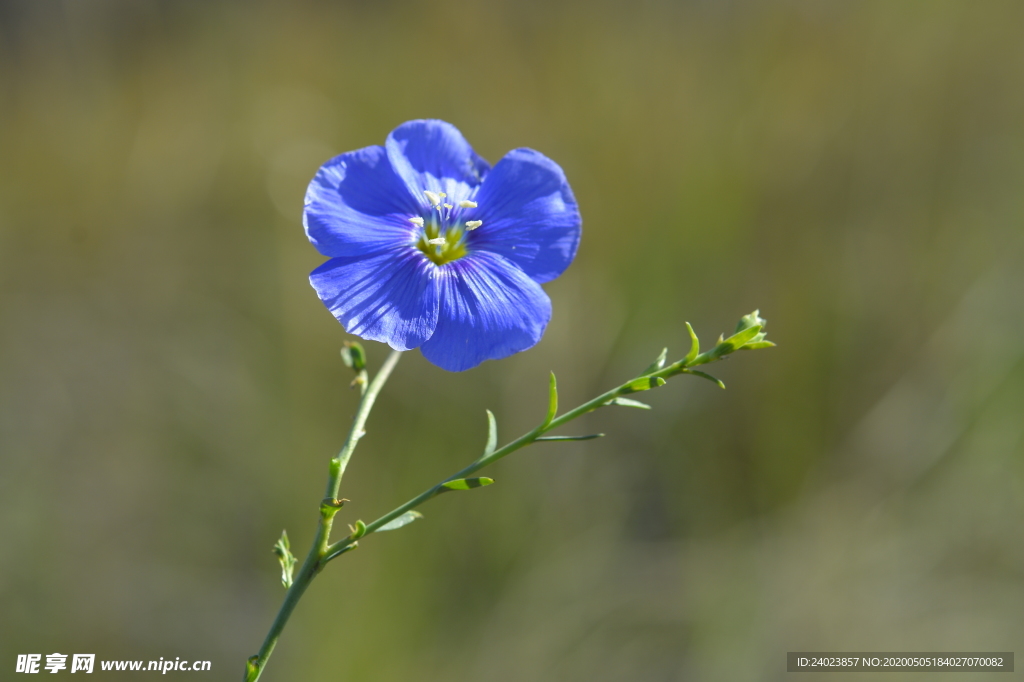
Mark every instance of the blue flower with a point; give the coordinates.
(430, 247)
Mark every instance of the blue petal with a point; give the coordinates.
(433, 155)
(356, 204)
(388, 296)
(529, 215)
(489, 309)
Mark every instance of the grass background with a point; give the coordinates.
(170, 387)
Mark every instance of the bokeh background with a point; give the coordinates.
(171, 391)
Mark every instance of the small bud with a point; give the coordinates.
(473, 224)
(252, 668)
(286, 559)
(749, 334)
(358, 530)
(752, 320)
(353, 355)
(329, 506)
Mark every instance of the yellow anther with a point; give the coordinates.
(473, 224)
(449, 206)
(433, 198)
(467, 204)
(436, 242)
(417, 221)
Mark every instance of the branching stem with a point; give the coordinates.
(322, 551)
(317, 557)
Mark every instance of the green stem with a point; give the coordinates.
(362, 412)
(526, 439)
(322, 552)
(317, 557)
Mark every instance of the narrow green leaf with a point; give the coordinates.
(286, 559)
(643, 384)
(403, 520)
(592, 436)
(465, 484)
(657, 364)
(739, 338)
(694, 345)
(552, 399)
(492, 435)
(626, 402)
(710, 378)
(348, 548)
(758, 344)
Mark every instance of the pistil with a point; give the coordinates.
(442, 234)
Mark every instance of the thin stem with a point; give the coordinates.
(321, 552)
(316, 559)
(526, 439)
(362, 412)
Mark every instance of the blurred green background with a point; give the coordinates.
(171, 391)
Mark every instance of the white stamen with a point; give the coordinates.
(473, 224)
(417, 221)
(433, 198)
(467, 204)
(436, 242)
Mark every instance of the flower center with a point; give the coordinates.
(442, 232)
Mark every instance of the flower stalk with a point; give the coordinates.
(317, 557)
(749, 335)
